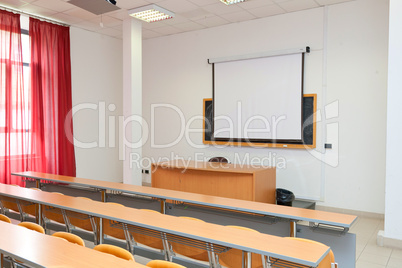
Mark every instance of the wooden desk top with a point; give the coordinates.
(273, 246)
(210, 166)
(39, 250)
(335, 219)
(330, 218)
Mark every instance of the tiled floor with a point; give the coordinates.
(368, 254)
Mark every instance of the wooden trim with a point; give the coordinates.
(267, 145)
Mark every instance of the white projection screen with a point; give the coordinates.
(259, 99)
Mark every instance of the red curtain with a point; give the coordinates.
(51, 99)
(13, 154)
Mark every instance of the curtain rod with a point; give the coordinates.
(33, 16)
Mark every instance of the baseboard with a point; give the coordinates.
(358, 213)
(383, 241)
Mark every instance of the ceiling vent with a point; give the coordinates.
(96, 7)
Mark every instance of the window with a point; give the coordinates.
(16, 101)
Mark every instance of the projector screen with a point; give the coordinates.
(259, 99)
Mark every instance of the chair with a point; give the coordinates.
(50, 213)
(219, 159)
(28, 208)
(8, 203)
(147, 240)
(32, 226)
(114, 250)
(233, 258)
(83, 221)
(72, 238)
(4, 218)
(163, 264)
(114, 231)
(188, 250)
(327, 262)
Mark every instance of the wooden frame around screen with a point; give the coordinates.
(272, 145)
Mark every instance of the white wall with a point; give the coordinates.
(393, 201)
(96, 79)
(348, 40)
(357, 77)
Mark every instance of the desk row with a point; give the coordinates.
(212, 239)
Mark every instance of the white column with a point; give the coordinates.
(132, 100)
(393, 188)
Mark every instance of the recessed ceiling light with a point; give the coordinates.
(229, 2)
(151, 13)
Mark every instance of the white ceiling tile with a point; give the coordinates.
(202, 3)
(176, 20)
(55, 5)
(119, 14)
(41, 11)
(178, 6)
(167, 30)
(66, 18)
(129, 4)
(189, 26)
(152, 25)
(220, 8)
(147, 34)
(212, 21)
(238, 16)
(255, 3)
(197, 14)
(80, 13)
(266, 11)
(296, 5)
(330, 2)
(13, 3)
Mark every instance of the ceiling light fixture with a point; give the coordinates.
(229, 2)
(151, 13)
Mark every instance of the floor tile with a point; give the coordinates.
(373, 258)
(363, 264)
(394, 263)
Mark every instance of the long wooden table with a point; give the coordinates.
(297, 214)
(245, 182)
(267, 245)
(39, 250)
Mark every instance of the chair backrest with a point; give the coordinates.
(219, 159)
(116, 251)
(52, 213)
(75, 239)
(108, 229)
(163, 264)
(150, 241)
(326, 262)
(190, 251)
(32, 226)
(28, 207)
(4, 218)
(233, 258)
(79, 219)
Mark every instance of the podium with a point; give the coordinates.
(245, 182)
